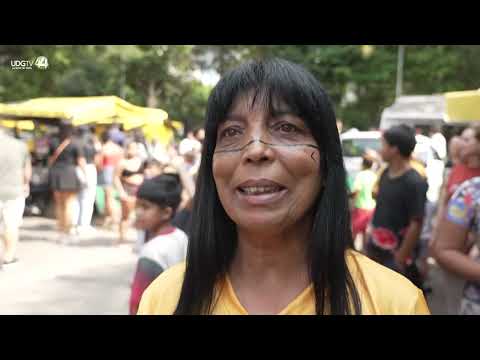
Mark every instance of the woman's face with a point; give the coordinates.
(266, 167)
(468, 137)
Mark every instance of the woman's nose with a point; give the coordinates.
(257, 151)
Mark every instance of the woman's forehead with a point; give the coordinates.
(258, 101)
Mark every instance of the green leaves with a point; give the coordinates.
(162, 75)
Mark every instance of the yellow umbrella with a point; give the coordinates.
(83, 110)
(462, 106)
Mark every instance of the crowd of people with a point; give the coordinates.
(87, 173)
(268, 226)
(396, 225)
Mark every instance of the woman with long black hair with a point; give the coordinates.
(270, 225)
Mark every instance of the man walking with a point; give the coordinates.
(15, 174)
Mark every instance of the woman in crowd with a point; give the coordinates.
(110, 155)
(129, 175)
(67, 168)
(455, 233)
(452, 242)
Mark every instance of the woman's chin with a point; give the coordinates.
(263, 223)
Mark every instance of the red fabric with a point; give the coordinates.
(140, 283)
(168, 230)
(111, 160)
(360, 220)
(458, 175)
(384, 239)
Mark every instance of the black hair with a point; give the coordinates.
(163, 190)
(66, 130)
(402, 137)
(213, 240)
(106, 137)
(84, 137)
(366, 162)
(476, 129)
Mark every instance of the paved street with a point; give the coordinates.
(92, 277)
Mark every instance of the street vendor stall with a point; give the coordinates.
(41, 118)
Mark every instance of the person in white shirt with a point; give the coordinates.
(439, 143)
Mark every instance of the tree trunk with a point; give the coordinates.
(152, 100)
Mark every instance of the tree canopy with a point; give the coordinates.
(359, 78)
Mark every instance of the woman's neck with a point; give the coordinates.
(263, 257)
(269, 271)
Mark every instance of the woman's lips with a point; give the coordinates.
(260, 192)
(260, 183)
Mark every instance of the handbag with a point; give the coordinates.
(57, 152)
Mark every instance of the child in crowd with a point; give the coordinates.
(157, 201)
(364, 204)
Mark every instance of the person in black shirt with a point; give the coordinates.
(397, 221)
(64, 181)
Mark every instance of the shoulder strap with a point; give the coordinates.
(59, 150)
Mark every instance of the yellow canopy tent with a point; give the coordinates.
(24, 125)
(462, 106)
(83, 110)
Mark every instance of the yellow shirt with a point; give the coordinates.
(382, 292)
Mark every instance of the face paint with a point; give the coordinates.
(281, 147)
(240, 149)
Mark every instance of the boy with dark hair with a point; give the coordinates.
(400, 204)
(157, 201)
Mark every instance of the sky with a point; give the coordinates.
(208, 77)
